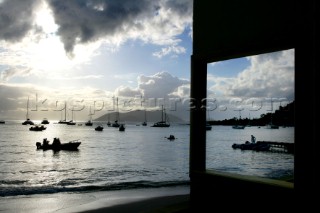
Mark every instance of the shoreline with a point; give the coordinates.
(130, 200)
(168, 204)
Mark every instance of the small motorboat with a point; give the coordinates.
(57, 145)
(99, 128)
(45, 121)
(253, 145)
(171, 137)
(37, 128)
(122, 128)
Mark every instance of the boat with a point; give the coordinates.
(71, 122)
(163, 122)
(45, 121)
(122, 128)
(144, 123)
(272, 126)
(171, 137)
(116, 122)
(108, 123)
(99, 128)
(64, 121)
(237, 126)
(89, 122)
(57, 145)
(253, 145)
(28, 121)
(37, 128)
(2, 122)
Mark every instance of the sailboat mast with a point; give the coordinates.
(27, 115)
(162, 114)
(90, 114)
(145, 115)
(118, 114)
(65, 111)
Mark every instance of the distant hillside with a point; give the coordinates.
(284, 116)
(138, 116)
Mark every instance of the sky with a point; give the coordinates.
(90, 53)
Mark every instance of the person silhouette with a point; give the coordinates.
(253, 139)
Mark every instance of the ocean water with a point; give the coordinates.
(139, 157)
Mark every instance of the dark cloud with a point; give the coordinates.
(83, 21)
(182, 7)
(16, 19)
(86, 20)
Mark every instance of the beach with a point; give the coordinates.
(164, 199)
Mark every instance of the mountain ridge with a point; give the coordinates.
(139, 116)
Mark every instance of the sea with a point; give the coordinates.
(139, 157)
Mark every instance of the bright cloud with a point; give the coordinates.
(176, 50)
(269, 75)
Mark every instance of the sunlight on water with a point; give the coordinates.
(140, 157)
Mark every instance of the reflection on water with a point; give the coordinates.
(140, 157)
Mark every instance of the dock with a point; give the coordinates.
(279, 146)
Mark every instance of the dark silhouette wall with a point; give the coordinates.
(225, 30)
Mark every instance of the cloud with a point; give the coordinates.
(159, 85)
(182, 91)
(17, 19)
(154, 90)
(77, 77)
(86, 21)
(269, 75)
(14, 71)
(168, 50)
(126, 91)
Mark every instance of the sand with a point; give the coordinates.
(166, 199)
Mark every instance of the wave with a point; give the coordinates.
(50, 189)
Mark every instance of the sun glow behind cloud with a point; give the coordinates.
(42, 52)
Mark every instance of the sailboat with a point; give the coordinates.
(28, 121)
(271, 125)
(115, 123)
(65, 115)
(237, 126)
(163, 122)
(144, 123)
(89, 122)
(108, 123)
(71, 122)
